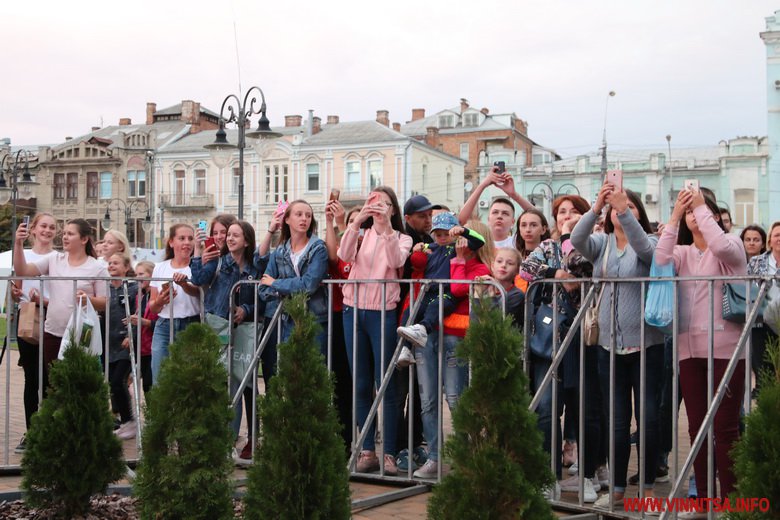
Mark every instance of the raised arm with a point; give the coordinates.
(21, 267)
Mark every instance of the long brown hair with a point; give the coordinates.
(225, 219)
(519, 242)
(395, 219)
(609, 227)
(286, 228)
(171, 235)
(487, 252)
(85, 230)
(684, 234)
(249, 238)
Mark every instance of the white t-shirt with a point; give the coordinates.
(507, 242)
(31, 257)
(295, 258)
(62, 296)
(184, 305)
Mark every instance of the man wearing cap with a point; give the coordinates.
(418, 214)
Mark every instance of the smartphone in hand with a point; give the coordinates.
(615, 178)
(335, 193)
(281, 208)
(209, 243)
(692, 184)
(373, 198)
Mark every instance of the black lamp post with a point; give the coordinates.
(221, 150)
(15, 187)
(128, 209)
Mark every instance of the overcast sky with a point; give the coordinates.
(692, 69)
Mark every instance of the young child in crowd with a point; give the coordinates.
(144, 269)
(504, 270)
(434, 261)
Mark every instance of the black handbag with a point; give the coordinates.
(734, 302)
(541, 342)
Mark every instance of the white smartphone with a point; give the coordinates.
(692, 184)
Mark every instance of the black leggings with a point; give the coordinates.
(28, 360)
(118, 372)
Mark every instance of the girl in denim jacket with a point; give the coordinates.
(299, 264)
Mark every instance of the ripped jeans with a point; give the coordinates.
(455, 373)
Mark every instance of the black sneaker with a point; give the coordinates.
(21, 446)
(661, 475)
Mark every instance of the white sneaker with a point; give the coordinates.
(126, 431)
(428, 470)
(552, 493)
(603, 502)
(572, 485)
(415, 334)
(574, 469)
(405, 359)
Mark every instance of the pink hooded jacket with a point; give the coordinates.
(725, 255)
(379, 258)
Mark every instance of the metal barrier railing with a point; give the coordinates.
(11, 327)
(589, 288)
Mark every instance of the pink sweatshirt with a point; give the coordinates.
(380, 258)
(725, 255)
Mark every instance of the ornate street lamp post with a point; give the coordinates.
(16, 187)
(221, 150)
(128, 208)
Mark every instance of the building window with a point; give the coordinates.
(73, 186)
(312, 177)
(471, 119)
(464, 151)
(267, 184)
(353, 176)
(276, 182)
(285, 191)
(92, 185)
(541, 158)
(59, 186)
(744, 207)
(179, 186)
(200, 182)
(449, 185)
(374, 173)
(136, 183)
(424, 178)
(105, 185)
(235, 182)
(446, 121)
(131, 184)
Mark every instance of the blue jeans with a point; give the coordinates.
(627, 379)
(367, 363)
(162, 339)
(455, 373)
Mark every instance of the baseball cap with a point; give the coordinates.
(445, 221)
(417, 204)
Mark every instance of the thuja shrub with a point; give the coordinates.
(757, 454)
(300, 469)
(499, 466)
(185, 468)
(71, 450)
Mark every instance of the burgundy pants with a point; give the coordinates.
(693, 384)
(51, 349)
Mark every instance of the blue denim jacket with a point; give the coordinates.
(217, 295)
(313, 267)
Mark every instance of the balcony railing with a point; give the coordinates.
(187, 201)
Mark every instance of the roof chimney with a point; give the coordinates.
(316, 125)
(485, 111)
(151, 108)
(418, 113)
(464, 105)
(310, 123)
(333, 120)
(397, 127)
(432, 137)
(293, 120)
(95, 128)
(383, 117)
(125, 121)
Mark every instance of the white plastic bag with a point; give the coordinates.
(772, 309)
(84, 325)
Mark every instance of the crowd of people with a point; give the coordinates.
(377, 323)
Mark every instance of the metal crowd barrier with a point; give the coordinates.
(11, 327)
(589, 289)
(261, 340)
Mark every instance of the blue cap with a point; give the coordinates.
(445, 221)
